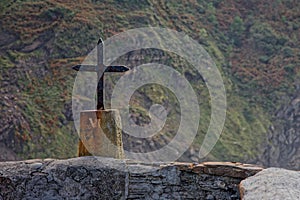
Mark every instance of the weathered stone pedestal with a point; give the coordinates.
(101, 134)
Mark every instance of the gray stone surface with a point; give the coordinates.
(107, 178)
(80, 178)
(273, 184)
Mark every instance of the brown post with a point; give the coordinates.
(101, 134)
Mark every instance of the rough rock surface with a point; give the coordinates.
(272, 183)
(6, 153)
(107, 178)
(283, 142)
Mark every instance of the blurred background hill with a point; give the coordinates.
(255, 44)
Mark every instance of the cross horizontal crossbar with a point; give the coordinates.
(94, 68)
(100, 73)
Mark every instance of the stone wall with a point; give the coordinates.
(107, 178)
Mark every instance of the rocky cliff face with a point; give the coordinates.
(283, 147)
(255, 45)
(106, 178)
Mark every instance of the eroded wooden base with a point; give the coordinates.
(100, 134)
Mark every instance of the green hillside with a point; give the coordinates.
(255, 45)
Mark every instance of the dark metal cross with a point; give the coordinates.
(101, 69)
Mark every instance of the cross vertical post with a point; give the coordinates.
(100, 70)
